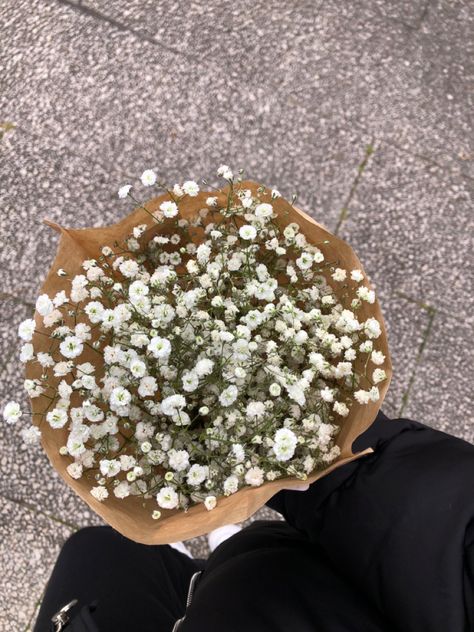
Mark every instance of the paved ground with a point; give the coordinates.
(300, 95)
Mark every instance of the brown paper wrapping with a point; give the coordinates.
(132, 516)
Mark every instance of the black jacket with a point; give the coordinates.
(384, 543)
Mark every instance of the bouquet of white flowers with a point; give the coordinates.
(200, 355)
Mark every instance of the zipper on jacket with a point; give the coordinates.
(192, 586)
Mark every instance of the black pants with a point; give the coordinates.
(99, 564)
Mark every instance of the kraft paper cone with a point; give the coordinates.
(132, 516)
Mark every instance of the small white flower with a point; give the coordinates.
(210, 502)
(137, 290)
(192, 267)
(366, 346)
(147, 387)
(343, 369)
(190, 381)
(94, 311)
(275, 389)
(228, 395)
(100, 493)
(159, 347)
(57, 418)
(378, 375)
(263, 210)
(197, 474)
(169, 208)
(327, 394)
(362, 396)
(225, 172)
(204, 367)
(374, 394)
(191, 188)
(129, 268)
(231, 485)
(372, 328)
(255, 409)
(148, 178)
(44, 305)
(167, 498)
(120, 397)
(26, 329)
(238, 452)
(254, 476)
(27, 352)
(341, 409)
(62, 368)
(71, 347)
(74, 470)
(110, 467)
(138, 368)
(178, 459)
(124, 191)
(365, 294)
(296, 393)
(305, 261)
(275, 194)
(52, 318)
(122, 490)
(339, 274)
(377, 357)
(350, 355)
(300, 337)
(356, 275)
(172, 404)
(285, 443)
(211, 201)
(12, 412)
(247, 232)
(30, 435)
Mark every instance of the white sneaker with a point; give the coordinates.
(180, 546)
(217, 536)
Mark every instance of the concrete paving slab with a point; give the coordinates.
(29, 545)
(38, 183)
(400, 70)
(412, 226)
(442, 395)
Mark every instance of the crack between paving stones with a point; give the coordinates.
(406, 395)
(98, 15)
(410, 27)
(65, 523)
(344, 213)
(29, 625)
(444, 168)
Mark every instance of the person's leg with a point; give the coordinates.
(137, 587)
(395, 523)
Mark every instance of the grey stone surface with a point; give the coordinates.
(412, 225)
(293, 93)
(393, 68)
(29, 545)
(444, 368)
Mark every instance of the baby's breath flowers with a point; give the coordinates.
(202, 354)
